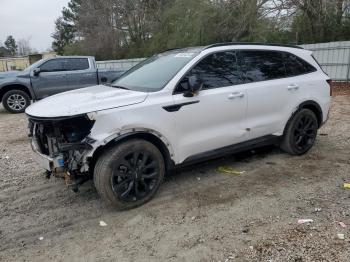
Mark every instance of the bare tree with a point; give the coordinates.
(24, 47)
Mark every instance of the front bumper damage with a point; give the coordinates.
(61, 146)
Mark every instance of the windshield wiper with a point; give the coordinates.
(121, 87)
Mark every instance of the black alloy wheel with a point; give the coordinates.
(300, 133)
(135, 175)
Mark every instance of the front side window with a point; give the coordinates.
(154, 73)
(261, 65)
(55, 65)
(216, 70)
(74, 64)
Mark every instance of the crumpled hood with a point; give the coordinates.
(85, 100)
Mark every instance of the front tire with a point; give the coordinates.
(300, 133)
(16, 101)
(129, 174)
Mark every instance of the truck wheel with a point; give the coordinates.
(129, 174)
(300, 133)
(16, 101)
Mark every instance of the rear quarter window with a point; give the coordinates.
(297, 66)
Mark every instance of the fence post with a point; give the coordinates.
(348, 74)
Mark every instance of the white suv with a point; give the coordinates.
(178, 107)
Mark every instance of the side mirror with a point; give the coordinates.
(195, 85)
(36, 71)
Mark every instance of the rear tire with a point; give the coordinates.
(16, 101)
(129, 174)
(300, 133)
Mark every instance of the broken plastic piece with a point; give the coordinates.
(341, 236)
(230, 170)
(305, 221)
(103, 224)
(342, 224)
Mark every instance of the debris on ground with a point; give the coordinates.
(317, 209)
(342, 224)
(347, 185)
(41, 238)
(103, 224)
(305, 221)
(341, 236)
(230, 170)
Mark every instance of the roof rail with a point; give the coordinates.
(247, 43)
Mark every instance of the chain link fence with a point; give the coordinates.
(334, 58)
(122, 65)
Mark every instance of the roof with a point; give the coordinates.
(202, 48)
(246, 43)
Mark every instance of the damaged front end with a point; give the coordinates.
(61, 145)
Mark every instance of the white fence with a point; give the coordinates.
(334, 57)
(123, 64)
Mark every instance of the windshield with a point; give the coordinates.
(154, 73)
(35, 65)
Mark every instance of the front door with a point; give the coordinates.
(214, 118)
(51, 79)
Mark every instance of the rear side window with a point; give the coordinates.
(216, 70)
(54, 65)
(296, 66)
(74, 64)
(259, 65)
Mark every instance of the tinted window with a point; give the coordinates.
(52, 66)
(73, 64)
(297, 66)
(215, 70)
(261, 65)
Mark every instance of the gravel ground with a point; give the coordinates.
(199, 214)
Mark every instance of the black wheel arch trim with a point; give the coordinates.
(17, 86)
(313, 106)
(148, 136)
(316, 108)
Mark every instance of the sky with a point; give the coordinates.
(30, 19)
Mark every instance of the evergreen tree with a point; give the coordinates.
(66, 27)
(11, 45)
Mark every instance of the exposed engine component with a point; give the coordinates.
(64, 141)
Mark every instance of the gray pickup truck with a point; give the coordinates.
(48, 77)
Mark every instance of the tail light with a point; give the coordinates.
(329, 81)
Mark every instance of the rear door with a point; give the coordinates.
(51, 79)
(80, 73)
(273, 89)
(213, 118)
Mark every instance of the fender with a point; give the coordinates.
(148, 134)
(310, 104)
(4, 87)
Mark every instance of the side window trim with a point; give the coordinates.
(176, 92)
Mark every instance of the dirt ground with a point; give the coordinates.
(199, 214)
